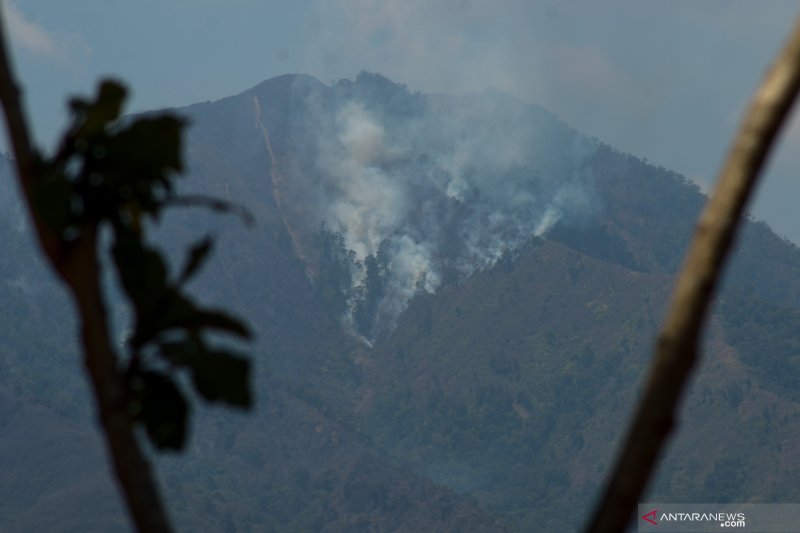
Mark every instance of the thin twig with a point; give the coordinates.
(677, 347)
(214, 204)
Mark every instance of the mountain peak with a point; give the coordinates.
(286, 84)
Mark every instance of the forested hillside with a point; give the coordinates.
(454, 301)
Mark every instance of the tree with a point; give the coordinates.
(370, 293)
(676, 350)
(118, 175)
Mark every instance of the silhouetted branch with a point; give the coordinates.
(76, 264)
(677, 347)
(214, 204)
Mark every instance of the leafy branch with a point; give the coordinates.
(113, 173)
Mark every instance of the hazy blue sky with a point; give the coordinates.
(662, 80)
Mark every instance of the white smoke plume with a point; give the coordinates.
(439, 187)
(366, 204)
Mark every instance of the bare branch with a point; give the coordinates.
(677, 347)
(76, 264)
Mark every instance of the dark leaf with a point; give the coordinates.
(179, 352)
(146, 151)
(93, 117)
(173, 311)
(162, 409)
(143, 275)
(197, 254)
(176, 311)
(142, 272)
(219, 320)
(222, 377)
(179, 312)
(170, 310)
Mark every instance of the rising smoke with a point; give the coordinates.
(438, 187)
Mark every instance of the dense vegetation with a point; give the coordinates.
(494, 403)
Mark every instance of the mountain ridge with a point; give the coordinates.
(499, 394)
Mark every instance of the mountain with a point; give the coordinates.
(455, 299)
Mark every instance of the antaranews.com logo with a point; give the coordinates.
(723, 519)
(701, 517)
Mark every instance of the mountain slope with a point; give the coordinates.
(516, 382)
(454, 300)
(521, 405)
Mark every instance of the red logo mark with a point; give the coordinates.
(651, 517)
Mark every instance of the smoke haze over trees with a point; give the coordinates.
(498, 394)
